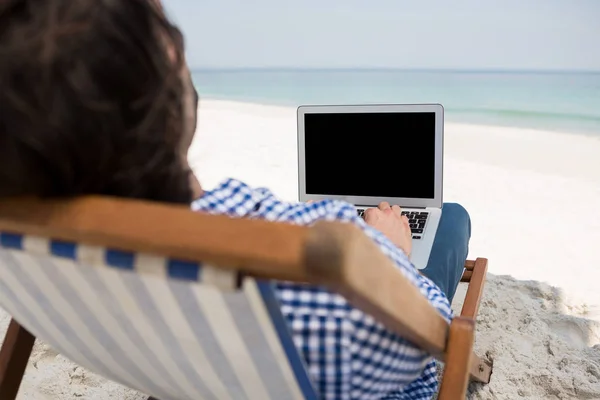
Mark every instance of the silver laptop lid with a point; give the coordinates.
(365, 154)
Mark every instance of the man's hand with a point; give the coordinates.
(390, 221)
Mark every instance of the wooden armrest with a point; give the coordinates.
(257, 247)
(475, 289)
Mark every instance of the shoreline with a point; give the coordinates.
(265, 103)
(493, 148)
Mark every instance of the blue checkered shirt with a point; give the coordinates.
(349, 355)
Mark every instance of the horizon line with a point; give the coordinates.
(446, 70)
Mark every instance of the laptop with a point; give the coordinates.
(366, 154)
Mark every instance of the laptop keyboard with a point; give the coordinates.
(416, 220)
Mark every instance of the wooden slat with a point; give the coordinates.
(458, 360)
(262, 248)
(466, 277)
(469, 265)
(475, 290)
(346, 258)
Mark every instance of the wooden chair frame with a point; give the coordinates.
(332, 254)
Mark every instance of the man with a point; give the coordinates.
(96, 98)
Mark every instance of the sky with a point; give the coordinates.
(424, 34)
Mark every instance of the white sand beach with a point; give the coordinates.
(534, 199)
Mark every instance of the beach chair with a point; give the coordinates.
(180, 305)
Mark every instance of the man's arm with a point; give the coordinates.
(349, 354)
(237, 199)
(363, 357)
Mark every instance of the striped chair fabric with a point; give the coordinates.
(172, 329)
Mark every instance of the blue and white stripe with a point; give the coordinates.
(169, 328)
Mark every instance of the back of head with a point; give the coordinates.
(90, 100)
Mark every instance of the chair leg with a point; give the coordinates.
(458, 359)
(14, 355)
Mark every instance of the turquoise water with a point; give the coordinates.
(567, 102)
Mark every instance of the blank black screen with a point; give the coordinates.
(370, 154)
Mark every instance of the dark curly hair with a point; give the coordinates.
(91, 100)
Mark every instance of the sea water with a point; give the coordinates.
(560, 101)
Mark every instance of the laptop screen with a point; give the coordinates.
(370, 154)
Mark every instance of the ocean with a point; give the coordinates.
(559, 101)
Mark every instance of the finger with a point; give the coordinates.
(405, 221)
(384, 206)
(407, 230)
(371, 214)
(310, 202)
(397, 210)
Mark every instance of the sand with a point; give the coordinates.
(534, 200)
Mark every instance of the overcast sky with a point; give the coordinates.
(438, 34)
